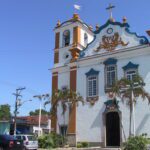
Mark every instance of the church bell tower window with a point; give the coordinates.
(66, 38)
(85, 39)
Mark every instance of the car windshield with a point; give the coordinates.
(31, 138)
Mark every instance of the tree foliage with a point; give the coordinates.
(36, 112)
(66, 96)
(124, 87)
(49, 141)
(136, 143)
(5, 112)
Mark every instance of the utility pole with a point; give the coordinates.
(17, 103)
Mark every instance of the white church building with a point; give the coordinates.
(90, 61)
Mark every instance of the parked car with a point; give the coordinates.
(8, 142)
(30, 142)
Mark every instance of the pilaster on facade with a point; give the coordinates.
(72, 117)
(54, 88)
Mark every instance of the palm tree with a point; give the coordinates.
(128, 91)
(66, 97)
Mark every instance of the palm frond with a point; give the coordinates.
(64, 96)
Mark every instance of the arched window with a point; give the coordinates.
(85, 39)
(66, 38)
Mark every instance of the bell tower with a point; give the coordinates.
(71, 37)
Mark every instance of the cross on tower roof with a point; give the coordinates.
(110, 8)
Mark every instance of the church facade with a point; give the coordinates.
(89, 62)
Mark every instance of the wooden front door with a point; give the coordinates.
(112, 129)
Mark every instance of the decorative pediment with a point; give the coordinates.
(113, 36)
(112, 105)
(130, 65)
(111, 42)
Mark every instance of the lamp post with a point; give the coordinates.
(40, 98)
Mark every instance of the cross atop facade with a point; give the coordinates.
(110, 8)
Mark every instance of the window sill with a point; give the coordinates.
(92, 100)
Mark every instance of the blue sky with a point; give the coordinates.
(27, 39)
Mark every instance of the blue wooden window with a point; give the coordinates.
(110, 75)
(92, 86)
(130, 70)
(110, 72)
(131, 74)
(92, 83)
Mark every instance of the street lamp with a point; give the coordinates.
(40, 98)
(21, 103)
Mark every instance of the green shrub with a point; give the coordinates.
(82, 144)
(51, 141)
(148, 140)
(136, 143)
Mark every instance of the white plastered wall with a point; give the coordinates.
(63, 80)
(89, 118)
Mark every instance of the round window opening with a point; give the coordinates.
(109, 30)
